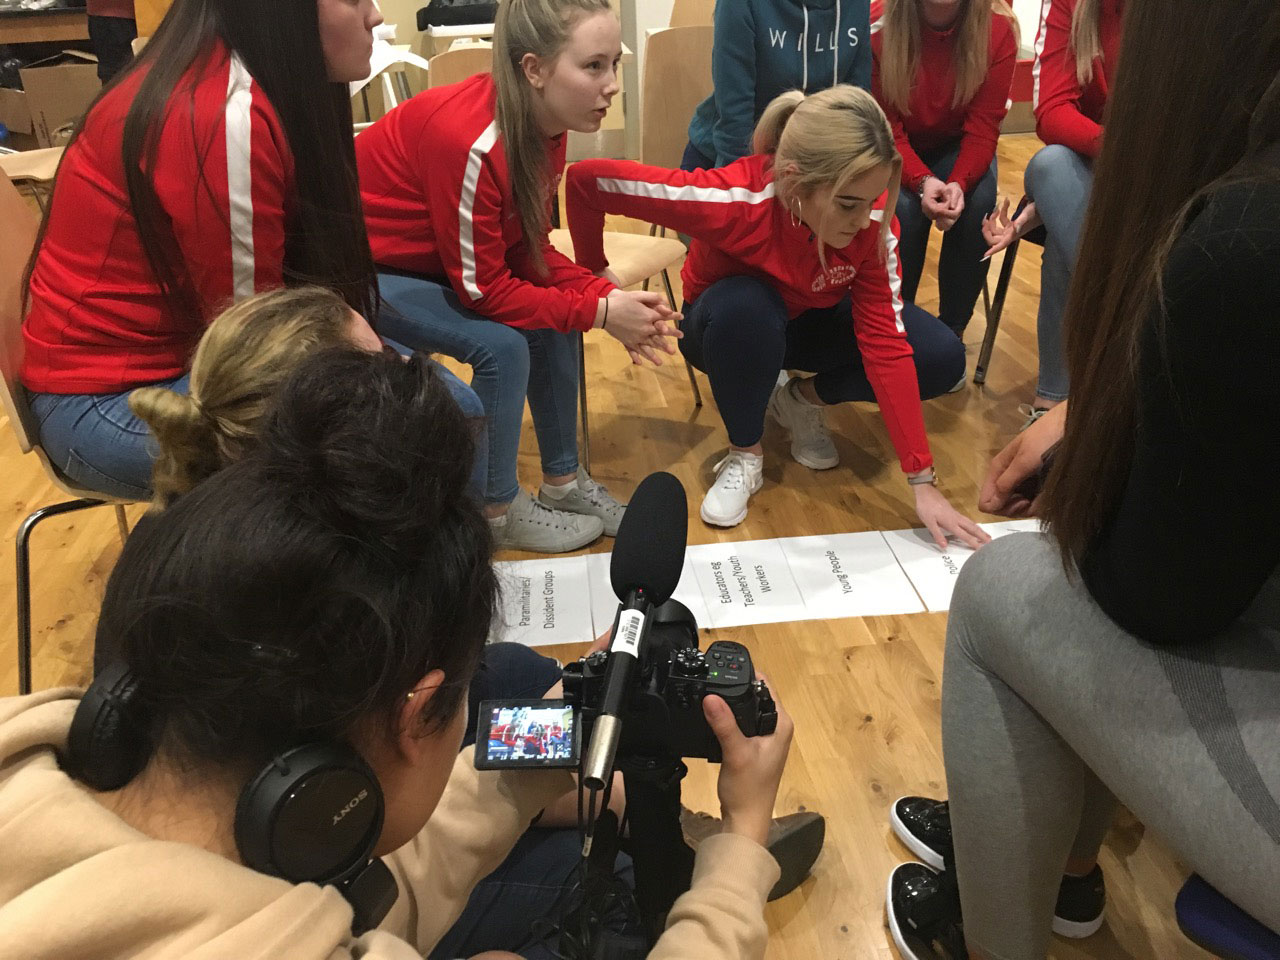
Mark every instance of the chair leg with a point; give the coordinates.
(24, 582)
(994, 312)
(693, 377)
(585, 452)
(122, 523)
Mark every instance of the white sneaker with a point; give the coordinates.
(587, 497)
(531, 525)
(738, 476)
(810, 440)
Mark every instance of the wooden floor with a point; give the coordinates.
(864, 692)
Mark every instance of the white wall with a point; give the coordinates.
(1028, 14)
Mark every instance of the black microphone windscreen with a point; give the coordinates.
(648, 553)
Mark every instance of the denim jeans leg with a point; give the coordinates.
(1059, 180)
(913, 242)
(553, 398)
(426, 315)
(97, 441)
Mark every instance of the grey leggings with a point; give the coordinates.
(1049, 709)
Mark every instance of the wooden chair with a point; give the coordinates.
(693, 13)
(677, 77)
(20, 235)
(33, 170)
(454, 66)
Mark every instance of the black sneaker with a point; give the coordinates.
(923, 910)
(924, 827)
(1082, 903)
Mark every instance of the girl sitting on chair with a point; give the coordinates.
(793, 265)
(457, 186)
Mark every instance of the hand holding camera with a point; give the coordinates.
(750, 768)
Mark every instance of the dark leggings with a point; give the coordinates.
(738, 334)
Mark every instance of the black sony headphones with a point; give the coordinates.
(313, 814)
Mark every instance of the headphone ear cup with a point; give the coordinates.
(312, 815)
(110, 741)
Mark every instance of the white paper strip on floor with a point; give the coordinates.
(745, 583)
(933, 573)
(604, 603)
(570, 599)
(849, 575)
(545, 601)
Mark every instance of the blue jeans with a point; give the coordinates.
(538, 875)
(961, 269)
(695, 159)
(98, 442)
(738, 333)
(1059, 180)
(507, 366)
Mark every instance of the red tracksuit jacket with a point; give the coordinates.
(437, 201)
(932, 120)
(1066, 113)
(738, 229)
(98, 322)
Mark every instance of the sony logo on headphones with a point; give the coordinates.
(351, 805)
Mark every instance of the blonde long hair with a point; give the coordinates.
(825, 140)
(540, 27)
(900, 49)
(1085, 42)
(243, 357)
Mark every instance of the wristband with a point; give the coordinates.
(605, 322)
(930, 478)
(927, 178)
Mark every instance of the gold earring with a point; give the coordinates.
(795, 213)
(411, 695)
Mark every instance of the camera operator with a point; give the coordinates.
(334, 587)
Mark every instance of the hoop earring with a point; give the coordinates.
(795, 213)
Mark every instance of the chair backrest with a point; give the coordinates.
(677, 77)
(21, 226)
(694, 13)
(454, 66)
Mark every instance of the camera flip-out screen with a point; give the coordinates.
(515, 734)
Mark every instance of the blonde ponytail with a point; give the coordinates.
(1085, 43)
(540, 27)
(824, 141)
(769, 127)
(243, 357)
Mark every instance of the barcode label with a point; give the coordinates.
(627, 638)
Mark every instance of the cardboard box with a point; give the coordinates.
(56, 92)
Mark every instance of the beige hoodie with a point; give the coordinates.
(78, 883)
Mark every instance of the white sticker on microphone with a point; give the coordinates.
(627, 639)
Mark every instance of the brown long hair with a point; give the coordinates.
(1196, 99)
(900, 50)
(326, 242)
(540, 27)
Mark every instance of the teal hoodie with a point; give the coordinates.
(766, 47)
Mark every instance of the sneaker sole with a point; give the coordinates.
(556, 505)
(906, 951)
(731, 521)
(1078, 929)
(925, 853)
(564, 547)
(800, 849)
(813, 463)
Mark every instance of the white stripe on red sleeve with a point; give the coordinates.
(467, 205)
(688, 193)
(239, 124)
(892, 268)
(1039, 53)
